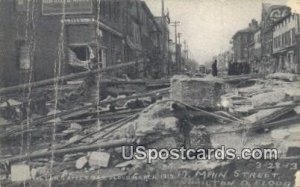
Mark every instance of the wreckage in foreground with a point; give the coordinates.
(83, 142)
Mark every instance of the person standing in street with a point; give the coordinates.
(214, 68)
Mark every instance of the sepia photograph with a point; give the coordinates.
(150, 93)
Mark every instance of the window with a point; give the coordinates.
(293, 36)
(82, 52)
(23, 55)
(81, 56)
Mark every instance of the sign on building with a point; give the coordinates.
(55, 7)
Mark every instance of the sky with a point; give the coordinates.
(208, 25)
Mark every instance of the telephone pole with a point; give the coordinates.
(165, 68)
(179, 35)
(175, 24)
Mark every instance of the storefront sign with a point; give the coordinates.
(55, 7)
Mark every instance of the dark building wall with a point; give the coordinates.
(240, 46)
(47, 47)
(10, 31)
(44, 31)
(237, 47)
(42, 36)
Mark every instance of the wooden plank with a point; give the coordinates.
(62, 78)
(111, 144)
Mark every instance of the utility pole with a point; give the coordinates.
(179, 53)
(164, 46)
(187, 52)
(179, 35)
(163, 9)
(175, 24)
(185, 49)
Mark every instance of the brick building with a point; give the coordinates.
(164, 38)
(241, 41)
(285, 44)
(270, 15)
(254, 51)
(36, 35)
(268, 47)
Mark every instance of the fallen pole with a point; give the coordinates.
(276, 106)
(115, 128)
(62, 78)
(112, 144)
(287, 121)
(122, 121)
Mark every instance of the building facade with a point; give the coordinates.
(269, 47)
(285, 44)
(254, 51)
(241, 41)
(271, 14)
(43, 39)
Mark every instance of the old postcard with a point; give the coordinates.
(150, 93)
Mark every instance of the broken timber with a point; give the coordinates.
(68, 112)
(62, 78)
(115, 143)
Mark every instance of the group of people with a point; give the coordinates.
(233, 68)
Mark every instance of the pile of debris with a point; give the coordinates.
(87, 140)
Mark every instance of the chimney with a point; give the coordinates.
(254, 24)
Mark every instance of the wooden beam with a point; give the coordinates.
(62, 78)
(111, 144)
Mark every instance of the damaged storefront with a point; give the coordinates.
(81, 45)
(40, 28)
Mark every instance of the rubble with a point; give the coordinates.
(268, 98)
(81, 162)
(20, 173)
(89, 137)
(10, 102)
(98, 159)
(76, 127)
(201, 92)
(283, 76)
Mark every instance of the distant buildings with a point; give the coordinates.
(35, 36)
(270, 46)
(285, 47)
(241, 40)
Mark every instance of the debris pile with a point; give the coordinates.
(201, 92)
(85, 139)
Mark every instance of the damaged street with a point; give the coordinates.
(88, 138)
